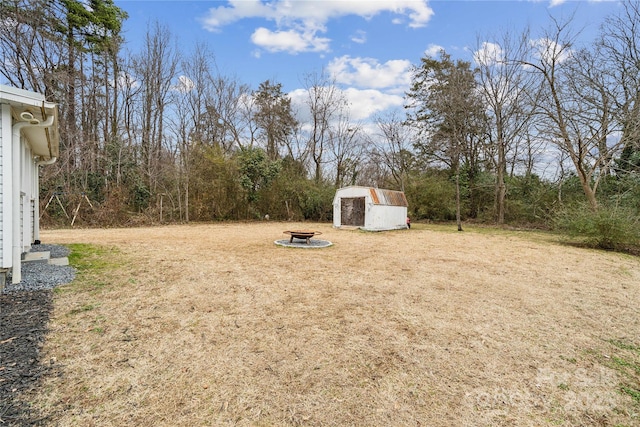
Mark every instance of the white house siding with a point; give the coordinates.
(32, 213)
(1, 188)
(5, 185)
(39, 140)
(22, 240)
(26, 191)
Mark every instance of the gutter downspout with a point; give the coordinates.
(36, 213)
(16, 264)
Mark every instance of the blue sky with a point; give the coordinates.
(368, 46)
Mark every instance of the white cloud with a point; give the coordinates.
(433, 50)
(185, 84)
(303, 20)
(368, 72)
(126, 80)
(359, 37)
(363, 104)
(368, 86)
(9, 24)
(220, 16)
(554, 3)
(550, 51)
(287, 11)
(488, 54)
(290, 41)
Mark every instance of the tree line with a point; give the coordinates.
(537, 125)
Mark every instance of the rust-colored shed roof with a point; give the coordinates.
(388, 197)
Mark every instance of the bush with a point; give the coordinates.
(530, 201)
(431, 196)
(317, 202)
(609, 227)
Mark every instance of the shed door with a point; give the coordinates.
(352, 211)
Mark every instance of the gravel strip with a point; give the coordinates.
(37, 276)
(56, 251)
(299, 243)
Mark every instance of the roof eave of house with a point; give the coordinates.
(32, 107)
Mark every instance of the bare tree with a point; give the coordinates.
(229, 124)
(392, 143)
(156, 69)
(192, 94)
(68, 50)
(324, 101)
(575, 109)
(620, 42)
(346, 148)
(505, 87)
(128, 92)
(30, 50)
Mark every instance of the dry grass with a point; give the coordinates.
(215, 325)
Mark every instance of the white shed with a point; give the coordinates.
(370, 208)
(28, 139)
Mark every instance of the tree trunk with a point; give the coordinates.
(589, 191)
(500, 198)
(458, 220)
(186, 201)
(501, 188)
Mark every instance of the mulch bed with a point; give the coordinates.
(23, 326)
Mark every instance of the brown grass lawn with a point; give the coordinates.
(215, 325)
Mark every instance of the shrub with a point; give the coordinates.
(431, 196)
(316, 202)
(609, 227)
(530, 201)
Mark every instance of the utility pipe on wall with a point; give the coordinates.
(16, 273)
(36, 214)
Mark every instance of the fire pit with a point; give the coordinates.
(302, 234)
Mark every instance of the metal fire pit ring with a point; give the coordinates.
(302, 234)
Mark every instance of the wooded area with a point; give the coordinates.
(538, 128)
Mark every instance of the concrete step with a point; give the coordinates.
(59, 261)
(42, 257)
(45, 258)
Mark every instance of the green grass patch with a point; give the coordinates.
(92, 264)
(92, 258)
(634, 393)
(625, 359)
(84, 308)
(569, 359)
(626, 364)
(625, 345)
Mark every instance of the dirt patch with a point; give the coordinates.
(216, 325)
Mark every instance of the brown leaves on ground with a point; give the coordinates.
(215, 325)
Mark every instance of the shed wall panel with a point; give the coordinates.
(384, 209)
